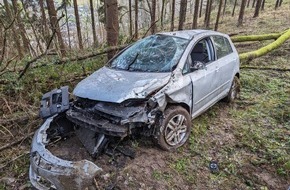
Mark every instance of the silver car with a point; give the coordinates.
(154, 87)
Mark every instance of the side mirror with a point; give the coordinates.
(197, 65)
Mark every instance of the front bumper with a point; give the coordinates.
(48, 171)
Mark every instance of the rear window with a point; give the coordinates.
(222, 46)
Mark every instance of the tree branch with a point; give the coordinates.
(41, 55)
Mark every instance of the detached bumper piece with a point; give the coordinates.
(99, 125)
(50, 172)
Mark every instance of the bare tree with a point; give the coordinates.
(93, 23)
(242, 11)
(55, 26)
(112, 24)
(130, 18)
(278, 3)
(263, 5)
(162, 13)
(79, 32)
(257, 8)
(248, 3)
(234, 8)
(65, 3)
(136, 19)
(253, 4)
(182, 13)
(10, 19)
(22, 30)
(200, 8)
(225, 5)
(218, 15)
(153, 17)
(45, 31)
(208, 13)
(172, 15)
(195, 14)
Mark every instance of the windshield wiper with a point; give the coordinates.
(135, 58)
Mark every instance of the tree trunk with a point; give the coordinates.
(225, 5)
(55, 25)
(208, 14)
(67, 26)
(200, 8)
(93, 23)
(264, 50)
(45, 31)
(218, 15)
(162, 13)
(253, 4)
(263, 5)
(257, 9)
(15, 38)
(22, 30)
(256, 37)
(234, 8)
(242, 11)
(136, 19)
(182, 14)
(280, 3)
(277, 4)
(130, 18)
(172, 15)
(79, 32)
(28, 19)
(248, 3)
(153, 17)
(195, 14)
(112, 24)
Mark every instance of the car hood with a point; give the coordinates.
(111, 85)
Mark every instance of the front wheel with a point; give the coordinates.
(175, 128)
(234, 90)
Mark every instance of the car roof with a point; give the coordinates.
(188, 34)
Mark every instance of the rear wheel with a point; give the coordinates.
(175, 128)
(234, 90)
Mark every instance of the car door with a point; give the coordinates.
(203, 78)
(226, 63)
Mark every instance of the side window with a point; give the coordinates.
(222, 46)
(202, 52)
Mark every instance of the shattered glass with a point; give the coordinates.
(156, 53)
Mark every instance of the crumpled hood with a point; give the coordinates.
(111, 85)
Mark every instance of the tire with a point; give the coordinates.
(175, 128)
(234, 90)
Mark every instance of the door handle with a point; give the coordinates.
(217, 69)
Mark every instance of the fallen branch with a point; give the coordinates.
(264, 50)
(262, 37)
(266, 68)
(79, 58)
(14, 159)
(16, 142)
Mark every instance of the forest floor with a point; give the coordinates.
(249, 139)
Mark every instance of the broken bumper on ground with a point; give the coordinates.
(48, 171)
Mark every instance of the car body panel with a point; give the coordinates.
(62, 174)
(110, 85)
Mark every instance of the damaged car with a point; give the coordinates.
(154, 88)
